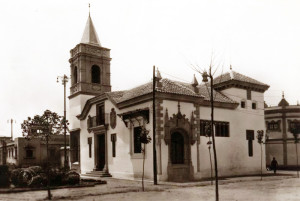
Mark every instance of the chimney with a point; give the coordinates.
(195, 84)
(157, 80)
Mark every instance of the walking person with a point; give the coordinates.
(274, 165)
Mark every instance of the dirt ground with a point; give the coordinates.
(242, 188)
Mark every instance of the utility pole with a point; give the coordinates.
(64, 80)
(11, 121)
(154, 132)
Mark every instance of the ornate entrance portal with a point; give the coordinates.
(179, 136)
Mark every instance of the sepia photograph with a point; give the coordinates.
(150, 100)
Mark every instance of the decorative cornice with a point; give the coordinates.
(206, 103)
(75, 130)
(280, 117)
(283, 110)
(97, 129)
(241, 85)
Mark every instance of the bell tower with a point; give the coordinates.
(90, 72)
(90, 64)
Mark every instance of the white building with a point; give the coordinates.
(281, 143)
(106, 126)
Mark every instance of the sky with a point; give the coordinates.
(259, 38)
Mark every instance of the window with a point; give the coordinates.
(75, 75)
(113, 141)
(205, 128)
(250, 138)
(294, 125)
(243, 104)
(100, 115)
(90, 146)
(248, 94)
(137, 146)
(254, 106)
(95, 74)
(16, 153)
(29, 153)
(222, 129)
(274, 126)
(52, 154)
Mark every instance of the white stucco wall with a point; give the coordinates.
(76, 105)
(232, 152)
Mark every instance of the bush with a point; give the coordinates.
(36, 181)
(56, 176)
(71, 178)
(14, 176)
(25, 177)
(22, 177)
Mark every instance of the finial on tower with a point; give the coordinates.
(230, 67)
(89, 9)
(282, 94)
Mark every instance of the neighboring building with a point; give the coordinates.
(281, 143)
(3, 141)
(105, 126)
(23, 152)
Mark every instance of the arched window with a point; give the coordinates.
(75, 75)
(177, 148)
(95, 74)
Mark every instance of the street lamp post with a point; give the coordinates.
(205, 79)
(295, 129)
(64, 80)
(211, 176)
(260, 135)
(296, 142)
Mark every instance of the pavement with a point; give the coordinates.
(117, 186)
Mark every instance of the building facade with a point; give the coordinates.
(24, 153)
(105, 126)
(281, 143)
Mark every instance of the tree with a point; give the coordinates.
(205, 76)
(50, 123)
(145, 139)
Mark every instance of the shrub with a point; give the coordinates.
(36, 181)
(14, 176)
(25, 177)
(71, 178)
(56, 176)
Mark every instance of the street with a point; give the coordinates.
(239, 188)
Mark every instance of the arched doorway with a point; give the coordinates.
(177, 148)
(179, 166)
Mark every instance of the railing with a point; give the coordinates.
(95, 121)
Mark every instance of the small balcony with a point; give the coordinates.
(97, 121)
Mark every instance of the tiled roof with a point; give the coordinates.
(168, 86)
(236, 76)
(218, 96)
